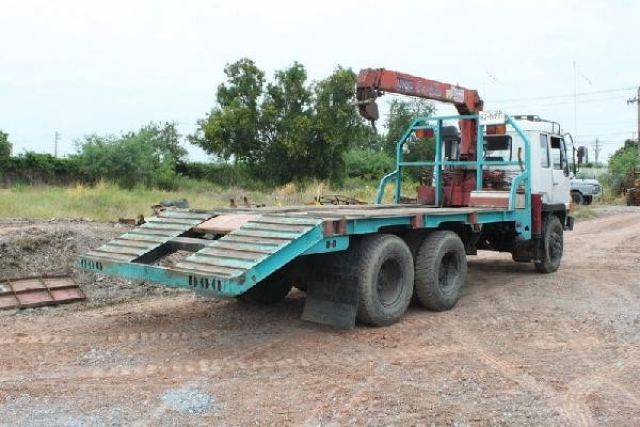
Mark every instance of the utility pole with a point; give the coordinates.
(55, 145)
(638, 105)
(597, 150)
(636, 100)
(575, 100)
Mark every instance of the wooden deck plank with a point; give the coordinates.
(336, 212)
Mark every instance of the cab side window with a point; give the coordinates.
(544, 151)
(557, 154)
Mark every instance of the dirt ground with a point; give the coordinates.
(520, 348)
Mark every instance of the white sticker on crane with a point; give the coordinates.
(492, 118)
(455, 94)
(458, 94)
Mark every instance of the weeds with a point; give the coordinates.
(108, 202)
(581, 212)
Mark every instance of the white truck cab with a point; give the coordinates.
(550, 171)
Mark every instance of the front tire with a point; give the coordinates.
(441, 267)
(384, 274)
(577, 198)
(552, 245)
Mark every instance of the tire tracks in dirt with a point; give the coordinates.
(574, 411)
(213, 366)
(579, 388)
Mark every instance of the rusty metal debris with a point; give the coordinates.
(139, 220)
(246, 203)
(167, 204)
(36, 291)
(337, 199)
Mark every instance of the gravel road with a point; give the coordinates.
(520, 348)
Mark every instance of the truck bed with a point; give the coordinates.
(231, 261)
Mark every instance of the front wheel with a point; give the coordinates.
(552, 245)
(577, 198)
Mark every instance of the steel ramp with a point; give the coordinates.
(145, 238)
(245, 248)
(227, 266)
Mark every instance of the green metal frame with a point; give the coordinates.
(424, 122)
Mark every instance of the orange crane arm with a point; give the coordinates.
(374, 82)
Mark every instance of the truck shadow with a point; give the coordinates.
(221, 316)
(506, 266)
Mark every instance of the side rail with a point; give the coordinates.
(432, 127)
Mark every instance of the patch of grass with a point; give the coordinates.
(108, 202)
(581, 212)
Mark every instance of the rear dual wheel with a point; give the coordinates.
(384, 273)
(383, 268)
(387, 277)
(440, 270)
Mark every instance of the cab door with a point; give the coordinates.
(560, 170)
(545, 172)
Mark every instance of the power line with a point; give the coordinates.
(551, 104)
(570, 95)
(612, 133)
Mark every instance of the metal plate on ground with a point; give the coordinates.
(35, 291)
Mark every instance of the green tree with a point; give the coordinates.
(621, 165)
(147, 157)
(286, 129)
(5, 146)
(401, 114)
(165, 141)
(367, 164)
(337, 125)
(286, 125)
(231, 129)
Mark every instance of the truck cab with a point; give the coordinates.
(550, 172)
(584, 190)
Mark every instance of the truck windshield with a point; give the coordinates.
(497, 148)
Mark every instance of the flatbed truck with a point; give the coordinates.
(367, 262)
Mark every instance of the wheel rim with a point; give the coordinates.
(389, 284)
(448, 271)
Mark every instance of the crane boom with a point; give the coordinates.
(374, 82)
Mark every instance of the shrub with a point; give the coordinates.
(368, 165)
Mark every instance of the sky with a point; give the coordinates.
(82, 67)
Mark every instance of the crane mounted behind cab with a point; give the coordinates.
(501, 183)
(373, 83)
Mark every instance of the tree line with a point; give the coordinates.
(286, 128)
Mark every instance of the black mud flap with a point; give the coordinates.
(332, 302)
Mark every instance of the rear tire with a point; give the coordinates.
(270, 290)
(384, 275)
(441, 267)
(552, 240)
